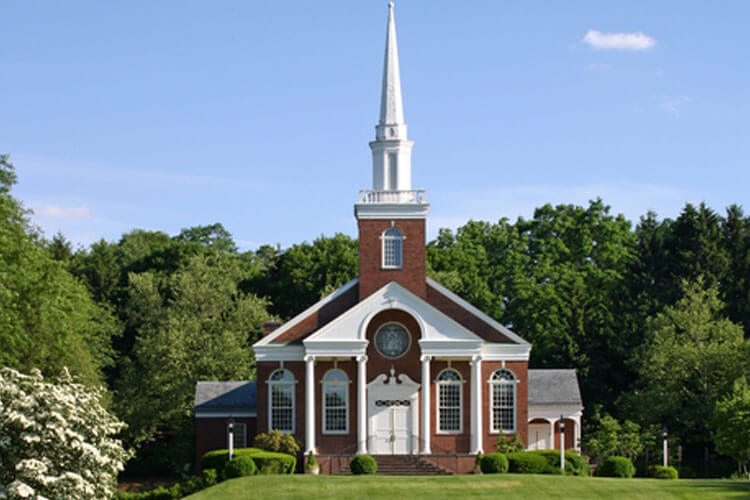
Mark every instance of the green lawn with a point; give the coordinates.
(502, 485)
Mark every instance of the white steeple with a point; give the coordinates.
(391, 149)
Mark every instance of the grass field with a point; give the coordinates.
(499, 486)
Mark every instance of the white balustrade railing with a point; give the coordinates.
(370, 196)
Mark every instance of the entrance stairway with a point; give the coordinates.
(407, 465)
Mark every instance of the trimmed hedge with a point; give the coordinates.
(616, 467)
(266, 462)
(239, 467)
(662, 472)
(574, 464)
(363, 464)
(526, 462)
(493, 463)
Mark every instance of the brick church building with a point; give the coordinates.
(393, 363)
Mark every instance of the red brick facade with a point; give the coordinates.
(211, 434)
(371, 274)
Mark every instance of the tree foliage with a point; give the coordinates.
(47, 318)
(608, 437)
(731, 423)
(692, 355)
(193, 325)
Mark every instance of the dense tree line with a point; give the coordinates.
(654, 315)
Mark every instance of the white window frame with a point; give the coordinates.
(285, 382)
(236, 426)
(459, 383)
(512, 383)
(385, 238)
(336, 383)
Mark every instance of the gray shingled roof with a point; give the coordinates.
(225, 396)
(554, 387)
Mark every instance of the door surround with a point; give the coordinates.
(399, 396)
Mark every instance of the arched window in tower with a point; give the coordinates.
(449, 401)
(393, 248)
(335, 402)
(281, 401)
(503, 393)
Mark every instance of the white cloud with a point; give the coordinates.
(58, 212)
(618, 41)
(673, 104)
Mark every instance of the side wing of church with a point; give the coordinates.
(393, 363)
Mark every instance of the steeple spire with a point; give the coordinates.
(391, 149)
(391, 101)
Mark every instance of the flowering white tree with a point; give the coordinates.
(56, 439)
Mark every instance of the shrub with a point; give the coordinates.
(506, 444)
(209, 477)
(57, 439)
(269, 462)
(662, 472)
(616, 467)
(575, 464)
(192, 485)
(526, 462)
(266, 462)
(240, 466)
(363, 464)
(277, 441)
(311, 460)
(493, 463)
(579, 465)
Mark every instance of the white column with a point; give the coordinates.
(362, 404)
(309, 404)
(426, 386)
(577, 433)
(476, 405)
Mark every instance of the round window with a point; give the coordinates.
(392, 340)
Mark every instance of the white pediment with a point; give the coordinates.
(437, 329)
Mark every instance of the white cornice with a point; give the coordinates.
(279, 352)
(391, 210)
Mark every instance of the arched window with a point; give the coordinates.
(503, 409)
(393, 248)
(449, 401)
(281, 401)
(335, 402)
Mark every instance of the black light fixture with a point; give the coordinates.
(562, 423)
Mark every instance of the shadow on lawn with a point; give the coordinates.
(723, 486)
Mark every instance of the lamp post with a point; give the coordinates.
(665, 447)
(230, 437)
(562, 444)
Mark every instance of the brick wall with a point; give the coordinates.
(371, 274)
(211, 434)
(521, 370)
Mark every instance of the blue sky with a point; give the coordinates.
(163, 115)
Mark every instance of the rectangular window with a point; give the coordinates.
(449, 397)
(335, 408)
(503, 407)
(239, 435)
(282, 407)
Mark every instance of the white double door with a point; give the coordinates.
(539, 438)
(392, 408)
(391, 429)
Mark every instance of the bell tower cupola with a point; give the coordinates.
(391, 216)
